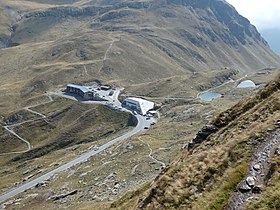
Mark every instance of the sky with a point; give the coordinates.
(264, 14)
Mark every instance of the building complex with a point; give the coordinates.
(139, 105)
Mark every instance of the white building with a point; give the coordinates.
(138, 104)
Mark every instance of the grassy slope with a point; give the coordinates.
(9, 12)
(205, 177)
(69, 123)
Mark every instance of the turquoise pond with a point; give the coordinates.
(209, 96)
(246, 84)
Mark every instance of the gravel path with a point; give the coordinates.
(258, 172)
(162, 164)
(9, 128)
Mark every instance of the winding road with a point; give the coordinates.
(141, 124)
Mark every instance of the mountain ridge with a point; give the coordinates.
(272, 37)
(238, 31)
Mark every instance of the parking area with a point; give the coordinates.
(108, 96)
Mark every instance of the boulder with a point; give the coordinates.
(58, 197)
(277, 152)
(257, 167)
(243, 187)
(257, 189)
(250, 180)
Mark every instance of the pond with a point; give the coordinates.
(246, 84)
(209, 96)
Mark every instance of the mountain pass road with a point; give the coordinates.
(142, 123)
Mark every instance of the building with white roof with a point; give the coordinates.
(140, 105)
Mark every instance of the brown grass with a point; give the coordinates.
(207, 176)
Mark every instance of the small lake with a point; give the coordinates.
(246, 84)
(209, 96)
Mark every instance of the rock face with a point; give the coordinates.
(202, 135)
(58, 197)
(212, 12)
(238, 26)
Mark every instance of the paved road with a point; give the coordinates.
(142, 123)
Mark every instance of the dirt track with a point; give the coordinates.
(9, 128)
(258, 172)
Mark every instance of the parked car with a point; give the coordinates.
(153, 123)
(111, 93)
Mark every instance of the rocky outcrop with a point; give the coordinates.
(64, 11)
(238, 26)
(58, 197)
(202, 135)
(219, 79)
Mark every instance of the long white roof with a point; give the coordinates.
(144, 104)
